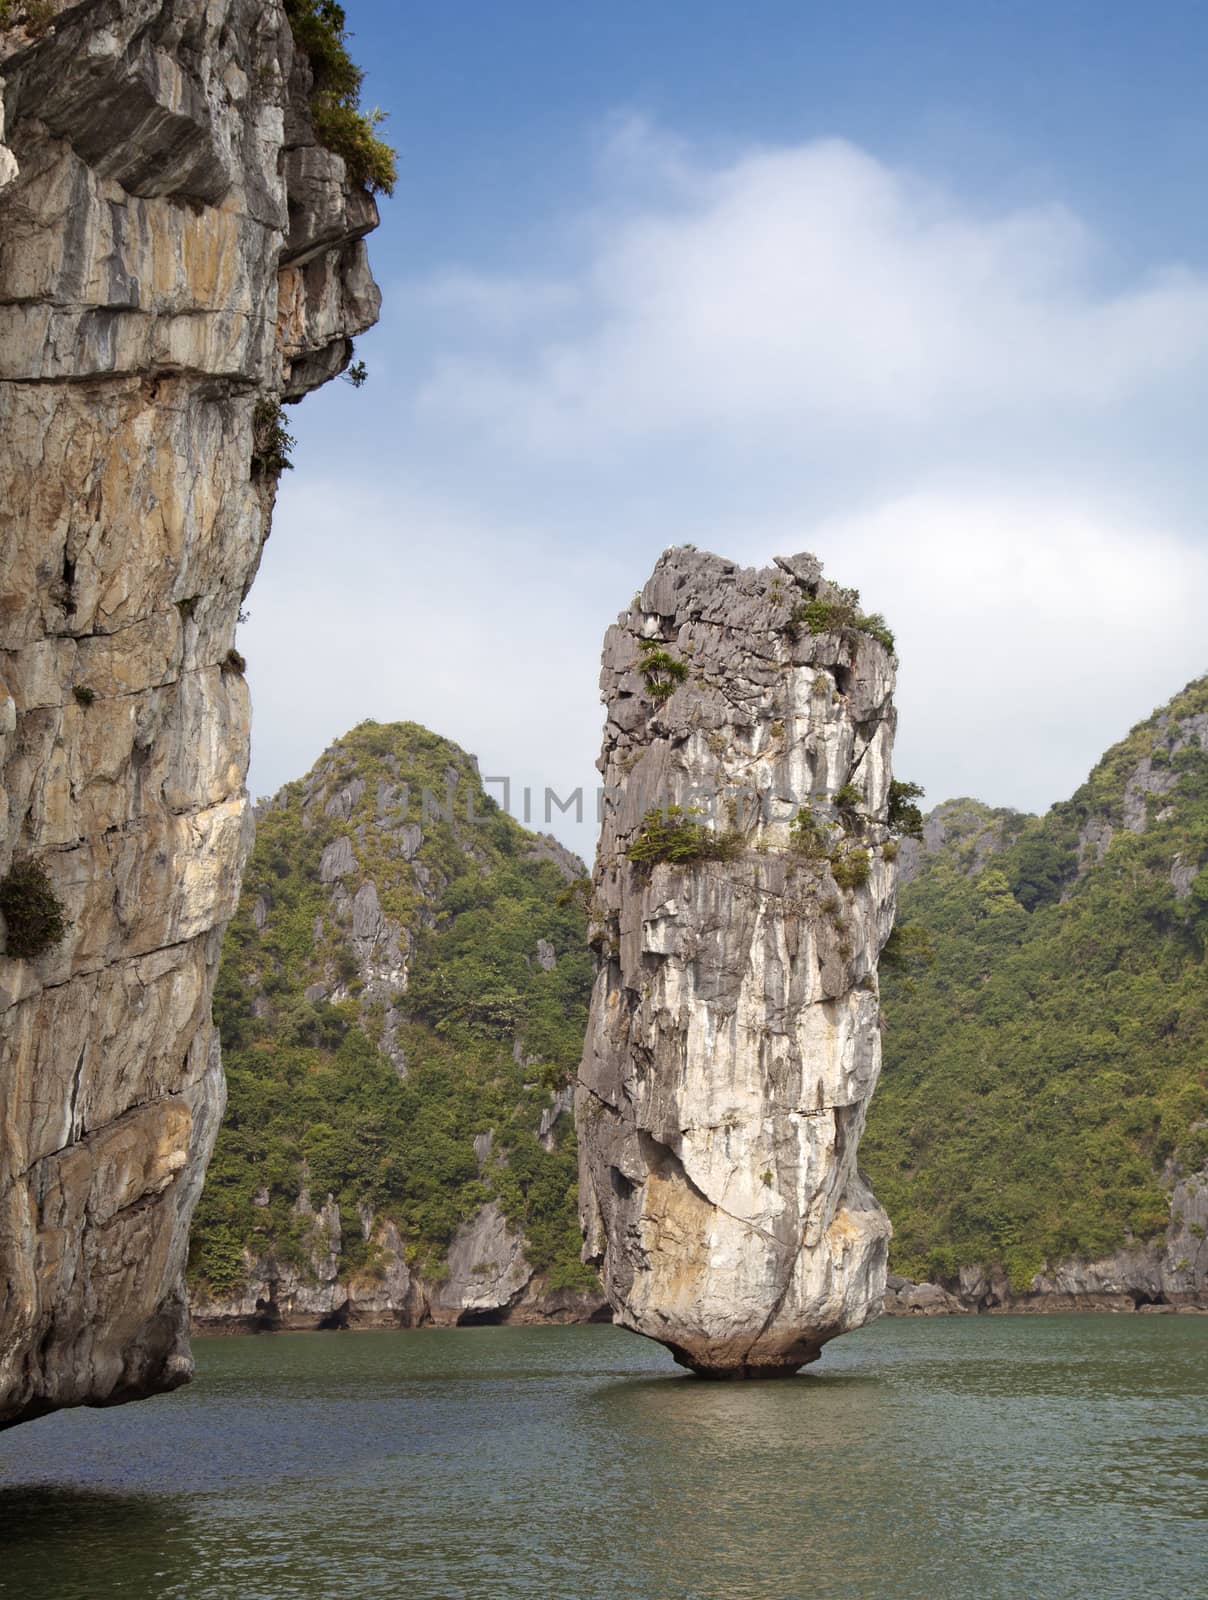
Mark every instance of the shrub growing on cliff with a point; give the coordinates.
(840, 611)
(848, 799)
(875, 625)
(34, 920)
(271, 442)
(320, 28)
(807, 835)
(676, 835)
(904, 816)
(850, 868)
(661, 670)
(37, 15)
(827, 616)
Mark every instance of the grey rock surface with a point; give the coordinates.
(1145, 781)
(488, 1280)
(1183, 874)
(338, 860)
(547, 848)
(906, 1299)
(161, 276)
(734, 1037)
(487, 1271)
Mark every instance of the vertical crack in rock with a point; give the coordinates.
(734, 1038)
(177, 255)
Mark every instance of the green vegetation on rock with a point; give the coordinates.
(904, 816)
(271, 440)
(1047, 1048)
(660, 669)
(1044, 991)
(675, 834)
(376, 1095)
(839, 610)
(34, 917)
(850, 867)
(37, 15)
(320, 28)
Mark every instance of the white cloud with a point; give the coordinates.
(815, 289)
(1033, 631)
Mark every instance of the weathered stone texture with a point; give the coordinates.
(487, 1280)
(734, 1036)
(174, 250)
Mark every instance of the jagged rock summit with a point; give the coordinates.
(177, 255)
(743, 889)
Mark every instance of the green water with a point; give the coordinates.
(973, 1457)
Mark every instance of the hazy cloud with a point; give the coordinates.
(494, 304)
(817, 289)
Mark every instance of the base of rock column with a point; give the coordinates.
(734, 1366)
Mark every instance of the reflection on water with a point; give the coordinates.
(990, 1457)
(768, 1489)
(78, 1542)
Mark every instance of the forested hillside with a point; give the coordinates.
(1046, 1054)
(401, 998)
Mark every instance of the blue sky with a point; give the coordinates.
(923, 288)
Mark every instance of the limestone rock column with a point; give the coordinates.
(734, 1037)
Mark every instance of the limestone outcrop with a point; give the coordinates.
(177, 255)
(402, 999)
(1169, 1273)
(734, 1038)
(487, 1279)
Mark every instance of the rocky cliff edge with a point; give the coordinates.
(177, 255)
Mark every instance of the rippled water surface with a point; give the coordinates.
(974, 1457)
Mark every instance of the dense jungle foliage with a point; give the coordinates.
(1051, 1057)
(483, 1032)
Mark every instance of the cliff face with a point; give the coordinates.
(401, 999)
(733, 1042)
(176, 254)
